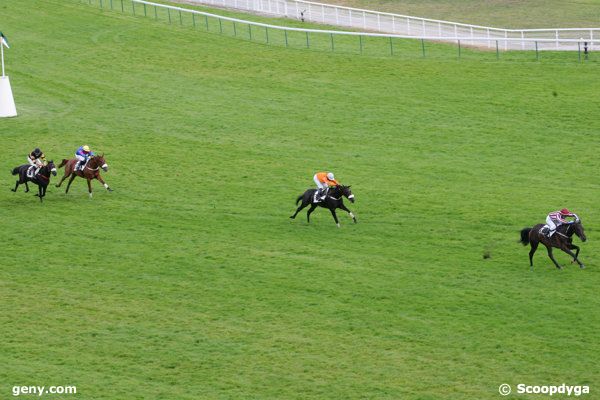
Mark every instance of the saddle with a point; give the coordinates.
(30, 171)
(318, 194)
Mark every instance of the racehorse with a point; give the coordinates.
(89, 172)
(562, 239)
(42, 178)
(331, 202)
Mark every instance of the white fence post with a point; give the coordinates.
(408, 25)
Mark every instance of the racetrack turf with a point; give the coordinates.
(190, 281)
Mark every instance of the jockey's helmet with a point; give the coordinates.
(330, 176)
(37, 152)
(86, 148)
(565, 211)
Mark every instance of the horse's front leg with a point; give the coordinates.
(576, 248)
(569, 252)
(89, 182)
(16, 186)
(26, 187)
(40, 192)
(343, 207)
(335, 218)
(104, 183)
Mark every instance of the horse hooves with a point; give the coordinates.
(582, 266)
(13, 190)
(338, 225)
(292, 217)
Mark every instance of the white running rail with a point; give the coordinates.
(404, 25)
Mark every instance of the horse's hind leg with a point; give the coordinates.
(552, 257)
(534, 246)
(69, 183)
(65, 176)
(89, 182)
(310, 210)
(300, 207)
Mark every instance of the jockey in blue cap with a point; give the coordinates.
(83, 154)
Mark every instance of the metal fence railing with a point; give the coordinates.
(340, 41)
(375, 21)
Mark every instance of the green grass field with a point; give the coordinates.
(494, 13)
(189, 281)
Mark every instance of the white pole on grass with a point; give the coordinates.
(7, 102)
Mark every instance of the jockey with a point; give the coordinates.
(556, 219)
(36, 159)
(323, 180)
(82, 155)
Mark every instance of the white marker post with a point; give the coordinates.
(7, 103)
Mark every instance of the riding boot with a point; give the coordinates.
(324, 193)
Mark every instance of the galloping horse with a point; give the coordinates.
(42, 178)
(89, 172)
(562, 239)
(332, 201)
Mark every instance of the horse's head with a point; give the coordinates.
(52, 167)
(346, 192)
(578, 229)
(101, 162)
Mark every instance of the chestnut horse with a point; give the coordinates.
(89, 172)
(562, 239)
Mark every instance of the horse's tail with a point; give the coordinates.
(299, 198)
(63, 163)
(15, 171)
(525, 236)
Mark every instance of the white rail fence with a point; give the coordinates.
(330, 39)
(374, 21)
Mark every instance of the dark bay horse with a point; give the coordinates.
(89, 172)
(42, 178)
(331, 202)
(562, 239)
